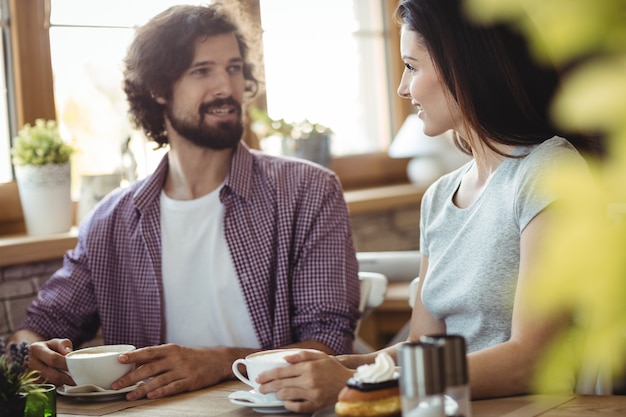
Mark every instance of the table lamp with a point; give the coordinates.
(432, 156)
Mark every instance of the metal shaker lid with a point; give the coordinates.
(454, 357)
(421, 369)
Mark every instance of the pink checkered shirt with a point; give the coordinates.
(287, 228)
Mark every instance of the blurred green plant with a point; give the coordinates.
(263, 125)
(15, 377)
(40, 144)
(583, 268)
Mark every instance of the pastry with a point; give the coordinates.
(373, 391)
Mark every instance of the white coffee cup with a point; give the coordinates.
(98, 365)
(259, 362)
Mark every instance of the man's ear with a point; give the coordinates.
(158, 98)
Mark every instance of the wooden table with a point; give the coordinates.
(213, 402)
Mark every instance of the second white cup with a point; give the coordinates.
(258, 362)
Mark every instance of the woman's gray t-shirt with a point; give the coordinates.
(473, 253)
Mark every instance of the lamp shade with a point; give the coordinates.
(411, 141)
(432, 156)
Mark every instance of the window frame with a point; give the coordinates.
(35, 96)
(31, 61)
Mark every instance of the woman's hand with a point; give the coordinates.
(311, 383)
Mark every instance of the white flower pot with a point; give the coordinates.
(45, 196)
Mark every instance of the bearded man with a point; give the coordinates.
(222, 251)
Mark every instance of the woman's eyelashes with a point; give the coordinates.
(409, 67)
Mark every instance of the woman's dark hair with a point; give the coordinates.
(162, 50)
(503, 93)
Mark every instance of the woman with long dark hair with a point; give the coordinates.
(481, 225)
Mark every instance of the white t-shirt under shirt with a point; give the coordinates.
(204, 305)
(473, 253)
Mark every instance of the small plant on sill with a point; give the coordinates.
(41, 144)
(265, 126)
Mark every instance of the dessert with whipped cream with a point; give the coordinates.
(372, 391)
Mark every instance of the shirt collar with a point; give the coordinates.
(238, 181)
(150, 190)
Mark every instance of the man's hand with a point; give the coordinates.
(171, 369)
(311, 383)
(48, 357)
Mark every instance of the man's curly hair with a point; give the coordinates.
(162, 50)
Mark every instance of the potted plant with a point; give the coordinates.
(42, 169)
(301, 139)
(16, 380)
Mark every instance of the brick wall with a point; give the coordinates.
(384, 231)
(18, 287)
(392, 230)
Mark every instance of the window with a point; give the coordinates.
(329, 68)
(7, 125)
(88, 41)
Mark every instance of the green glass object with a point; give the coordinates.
(42, 402)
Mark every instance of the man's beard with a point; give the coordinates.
(222, 136)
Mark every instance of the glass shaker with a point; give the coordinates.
(457, 392)
(421, 379)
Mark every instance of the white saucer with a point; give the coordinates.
(262, 407)
(106, 395)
